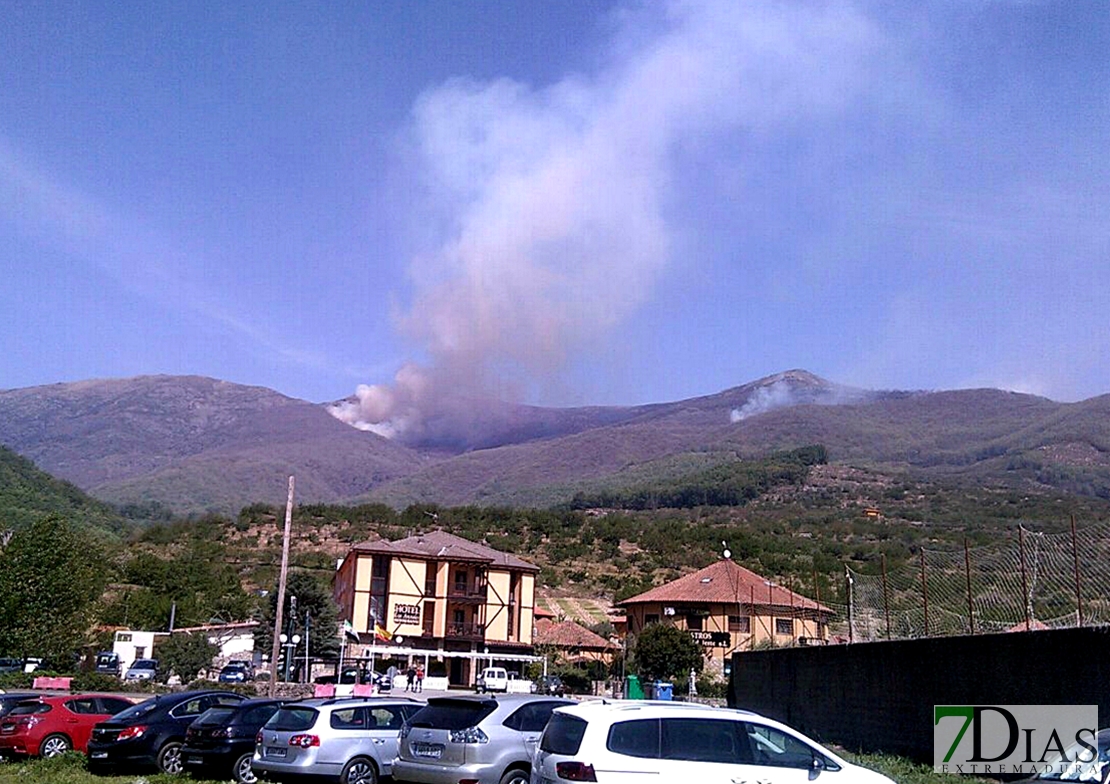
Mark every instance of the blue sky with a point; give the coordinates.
(563, 203)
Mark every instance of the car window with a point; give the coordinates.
(259, 714)
(135, 711)
(113, 705)
(348, 718)
(770, 746)
(293, 718)
(705, 740)
(29, 708)
(636, 738)
(216, 716)
(224, 699)
(531, 717)
(563, 734)
(450, 714)
(85, 705)
(194, 706)
(386, 718)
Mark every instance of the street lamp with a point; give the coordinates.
(290, 644)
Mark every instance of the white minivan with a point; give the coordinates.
(492, 679)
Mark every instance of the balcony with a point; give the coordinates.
(470, 594)
(466, 631)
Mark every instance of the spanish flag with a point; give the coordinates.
(382, 634)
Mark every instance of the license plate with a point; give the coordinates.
(99, 755)
(275, 751)
(427, 751)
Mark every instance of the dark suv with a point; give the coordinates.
(222, 740)
(151, 733)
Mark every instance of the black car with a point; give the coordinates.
(151, 733)
(551, 685)
(10, 699)
(222, 740)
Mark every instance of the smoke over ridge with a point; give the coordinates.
(559, 199)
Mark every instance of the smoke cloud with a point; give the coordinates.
(559, 200)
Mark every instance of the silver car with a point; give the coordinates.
(351, 741)
(473, 738)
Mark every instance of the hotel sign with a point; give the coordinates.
(406, 613)
(713, 639)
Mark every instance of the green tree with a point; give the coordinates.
(186, 655)
(51, 575)
(663, 652)
(314, 597)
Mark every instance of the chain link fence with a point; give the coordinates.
(1034, 580)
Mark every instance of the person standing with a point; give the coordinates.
(410, 678)
(420, 677)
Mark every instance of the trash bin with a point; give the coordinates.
(664, 690)
(632, 688)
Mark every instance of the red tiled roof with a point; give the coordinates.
(568, 634)
(725, 582)
(1026, 626)
(440, 545)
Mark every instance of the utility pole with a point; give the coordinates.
(279, 615)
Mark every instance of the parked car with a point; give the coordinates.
(474, 738)
(10, 665)
(669, 741)
(348, 740)
(235, 672)
(49, 726)
(492, 679)
(221, 740)
(551, 685)
(1057, 769)
(142, 670)
(108, 662)
(151, 733)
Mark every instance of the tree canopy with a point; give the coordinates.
(662, 652)
(51, 577)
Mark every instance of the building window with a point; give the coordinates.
(430, 578)
(784, 626)
(741, 624)
(460, 581)
(379, 591)
(694, 623)
(651, 618)
(429, 624)
(514, 586)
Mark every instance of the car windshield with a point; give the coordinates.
(142, 709)
(292, 718)
(144, 664)
(28, 708)
(216, 716)
(452, 714)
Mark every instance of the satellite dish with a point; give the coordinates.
(728, 553)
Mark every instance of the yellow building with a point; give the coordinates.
(439, 592)
(728, 608)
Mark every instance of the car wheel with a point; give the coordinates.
(242, 772)
(53, 745)
(515, 776)
(360, 770)
(169, 759)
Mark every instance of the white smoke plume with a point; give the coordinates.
(777, 395)
(559, 198)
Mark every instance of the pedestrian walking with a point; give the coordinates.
(420, 677)
(410, 679)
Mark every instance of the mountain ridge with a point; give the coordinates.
(193, 443)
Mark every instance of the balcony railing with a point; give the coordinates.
(467, 593)
(466, 631)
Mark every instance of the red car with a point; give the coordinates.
(48, 726)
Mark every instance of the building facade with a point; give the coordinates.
(728, 608)
(439, 592)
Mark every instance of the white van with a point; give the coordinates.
(493, 679)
